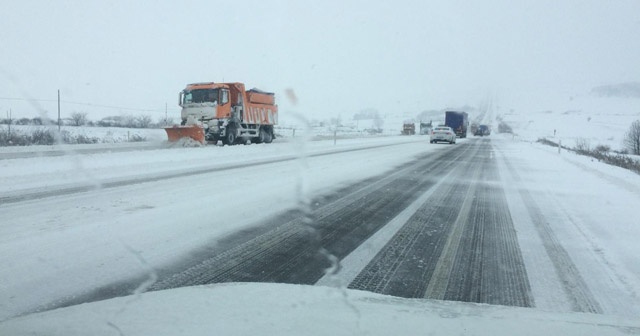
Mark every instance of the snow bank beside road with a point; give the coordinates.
(105, 163)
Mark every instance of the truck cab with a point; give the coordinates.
(205, 101)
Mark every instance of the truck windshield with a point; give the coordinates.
(200, 96)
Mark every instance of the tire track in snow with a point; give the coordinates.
(576, 290)
(460, 245)
(289, 253)
(437, 285)
(493, 270)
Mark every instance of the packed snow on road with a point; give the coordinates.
(75, 222)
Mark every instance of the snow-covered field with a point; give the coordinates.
(566, 119)
(121, 227)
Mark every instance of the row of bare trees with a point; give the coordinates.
(630, 141)
(81, 119)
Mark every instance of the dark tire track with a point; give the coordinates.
(492, 270)
(286, 248)
(483, 259)
(461, 245)
(291, 253)
(402, 267)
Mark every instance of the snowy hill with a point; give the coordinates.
(624, 90)
(598, 120)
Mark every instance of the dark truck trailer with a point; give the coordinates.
(458, 121)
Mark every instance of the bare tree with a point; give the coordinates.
(583, 145)
(336, 121)
(144, 121)
(378, 122)
(632, 138)
(79, 118)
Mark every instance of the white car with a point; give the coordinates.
(443, 133)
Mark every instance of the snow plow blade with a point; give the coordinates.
(176, 133)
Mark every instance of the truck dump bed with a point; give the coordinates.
(261, 97)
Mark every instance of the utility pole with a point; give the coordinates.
(58, 110)
(559, 145)
(9, 117)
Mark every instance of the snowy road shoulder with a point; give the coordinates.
(278, 309)
(85, 171)
(592, 224)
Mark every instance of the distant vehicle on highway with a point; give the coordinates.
(443, 134)
(458, 121)
(425, 128)
(409, 128)
(482, 130)
(473, 128)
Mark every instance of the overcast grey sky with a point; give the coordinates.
(339, 56)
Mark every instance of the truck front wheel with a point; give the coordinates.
(262, 135)
(230, 137)
(268, 136)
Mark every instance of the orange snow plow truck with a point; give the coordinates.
(226, 112)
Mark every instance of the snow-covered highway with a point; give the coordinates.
(488, 220)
